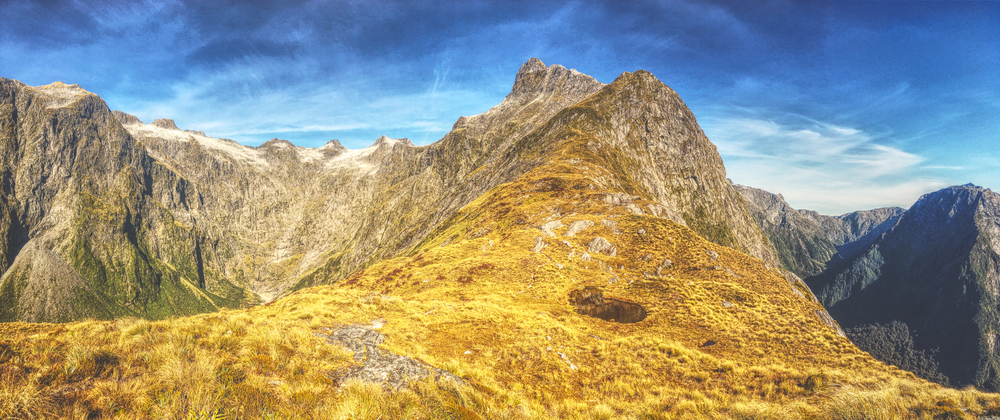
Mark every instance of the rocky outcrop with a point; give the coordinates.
(378, 365)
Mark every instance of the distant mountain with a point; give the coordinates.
(938, 272)
(106, 216)
(916, 288)
(807, 243)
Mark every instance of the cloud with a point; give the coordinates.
(825, 167)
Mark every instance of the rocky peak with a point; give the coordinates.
(126, 119)
(773, 207)
(389, 141)
(534, 80)
(951, 200)
(60, 95)
(166, 123)
(277, 143)
(334, 145)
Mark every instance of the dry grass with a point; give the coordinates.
(491, 310)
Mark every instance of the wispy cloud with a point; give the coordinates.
(820, 166)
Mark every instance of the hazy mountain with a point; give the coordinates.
(808, 243)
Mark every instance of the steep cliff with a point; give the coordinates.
(83, 231)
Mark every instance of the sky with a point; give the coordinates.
(838, 106)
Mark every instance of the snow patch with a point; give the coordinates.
(350, 159)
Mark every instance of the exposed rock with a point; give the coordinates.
(602, 246)
(712, 255)
(539, 245)
(619, 199)
(550, 226)
(612, 224)
(578, 226)
(379, 366)
(126, 119)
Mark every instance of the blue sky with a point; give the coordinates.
(839, 105)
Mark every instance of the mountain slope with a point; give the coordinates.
(81, 232)
(808, 243)
(937, 272)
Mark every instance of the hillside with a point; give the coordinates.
(86, 227)
(597, 264)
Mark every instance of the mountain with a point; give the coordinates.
(86, 223)
(807, 243)
(167, 221)
(575, 252)
(936, 273)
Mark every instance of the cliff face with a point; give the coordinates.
(81, 232)
(150, 206)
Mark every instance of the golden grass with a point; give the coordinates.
(489, 309)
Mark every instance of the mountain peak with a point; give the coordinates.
(333, 144)
(532, 65)
(386, 140)
(165, 123)
(277, 143)
(60, 95)
(535, 79)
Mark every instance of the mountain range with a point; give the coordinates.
(181, 223)
(575, 251)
